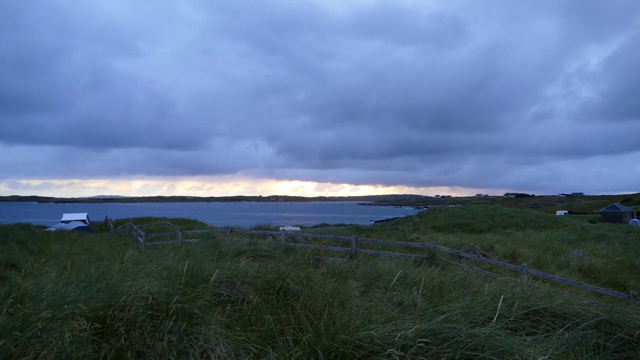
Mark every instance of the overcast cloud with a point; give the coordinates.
(536, 96)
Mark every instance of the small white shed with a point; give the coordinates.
(562, 212)
(289, 228)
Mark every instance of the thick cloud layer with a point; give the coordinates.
(538, 96)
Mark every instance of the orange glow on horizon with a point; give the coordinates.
(209, 186)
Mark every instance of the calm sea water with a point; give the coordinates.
(244, 214)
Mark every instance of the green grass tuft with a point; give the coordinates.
(71, 295)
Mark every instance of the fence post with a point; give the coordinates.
(354, 248)
(107, 223)
(633, 298)
(143, 236)
(283, 237)
(180, 236)
(525, 274)
(229, 233)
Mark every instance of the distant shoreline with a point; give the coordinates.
(240, 198)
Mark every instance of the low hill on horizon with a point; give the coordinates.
(237, 198)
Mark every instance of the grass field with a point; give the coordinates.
(68, 295)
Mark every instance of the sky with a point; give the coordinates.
(319, 97)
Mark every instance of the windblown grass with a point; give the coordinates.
(601, 254)
(67, 295)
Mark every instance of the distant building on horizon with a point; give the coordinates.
(572, 194)
(514, 195)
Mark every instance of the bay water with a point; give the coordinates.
(243, 214)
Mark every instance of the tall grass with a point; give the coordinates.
(601, 254)
(67, 295)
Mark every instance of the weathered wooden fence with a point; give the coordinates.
(109, 224)
(354, 246)
(143, 237)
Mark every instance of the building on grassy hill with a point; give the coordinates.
(73, 222)
(617, 213)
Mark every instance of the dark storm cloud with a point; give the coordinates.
(62, 87)
(379, 92)
(619, 78)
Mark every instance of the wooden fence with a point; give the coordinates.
(143, 237)
(354, 247)
(109, 224)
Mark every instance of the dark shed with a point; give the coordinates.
(617, 213)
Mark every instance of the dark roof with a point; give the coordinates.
(617, 207)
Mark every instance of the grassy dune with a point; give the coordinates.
(604, 254)
(66, 295)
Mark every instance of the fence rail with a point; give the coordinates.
(353, 249)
